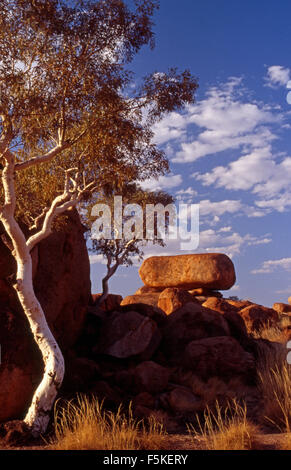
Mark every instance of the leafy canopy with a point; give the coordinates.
(66, 100)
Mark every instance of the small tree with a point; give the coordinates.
(67, 124)
(122, 251)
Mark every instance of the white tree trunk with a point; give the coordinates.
(37, 416)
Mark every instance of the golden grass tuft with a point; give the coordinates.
(225, 428)
(84, 425)
(275, 387)
(286, 443)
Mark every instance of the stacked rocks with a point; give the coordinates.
(172, 281)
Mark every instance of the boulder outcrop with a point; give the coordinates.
(208, 270)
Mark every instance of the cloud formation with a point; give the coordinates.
(271, 266)
(277, 75)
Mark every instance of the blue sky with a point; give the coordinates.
(230, 151)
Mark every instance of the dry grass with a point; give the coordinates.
(84, 425)
(286, 444)
(271, 333)
(225, 428)
(214, 389)
(274, 333)
(275, 387)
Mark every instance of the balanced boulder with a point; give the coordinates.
(209, 270)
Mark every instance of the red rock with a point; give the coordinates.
(239, 304)
(144, 399)
(202, 291)
(149, 299)
(235, 322)
(15, 433)
(182, 400)
(148, 290)
(209, 270)
(173, 298)
(219, 356)
(191, 322)
(112, 302)
(151, 377)
(257, 317)
(129, 334)
(62, 282)
(219, 305)
(282, 308)
(155, 313)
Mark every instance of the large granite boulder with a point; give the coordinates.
(62, 285)
(128, 334)
(220, 356)
(257, 317)
(151, 298)
(173, 298)
(209, 270)
(191, 322)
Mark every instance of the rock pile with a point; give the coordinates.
(171, 349)
(172, 281)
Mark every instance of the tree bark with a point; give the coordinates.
(105, 288)
(37, 416)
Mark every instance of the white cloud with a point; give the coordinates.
(224, 240)
(280, 203)
(226, 122)
(163, 182)
(284, 291)
(171, 127)
(270, 266)
(277, 75)
(219, 208)
(186, 195)
(254, 167)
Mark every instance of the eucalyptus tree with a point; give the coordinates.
(70, 122)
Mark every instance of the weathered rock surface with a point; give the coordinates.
(202, 291)
(151, 377)
(239, 304)
(128, 334)
(257, 317)
(112, 301)
(62, 281)
(219, 356)
(151, 298)
(235, 322)
(282, 308)
(173, 298)
(209, 270)
(219, 305)
(191, 322)
(181, 400)
(155, 313)
(148, 290)
(15, 433)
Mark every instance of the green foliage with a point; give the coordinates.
(66, 100)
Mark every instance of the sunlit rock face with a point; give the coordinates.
(209, 270)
